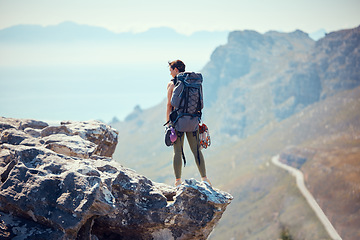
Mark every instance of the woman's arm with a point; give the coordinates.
(170, 88)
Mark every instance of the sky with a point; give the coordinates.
(92, 81)
(186, 16)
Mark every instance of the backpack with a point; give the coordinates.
(187, 100)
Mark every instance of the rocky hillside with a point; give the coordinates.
(59, 182)
(330, 160)
(323, 141)
(265, 93)
(337, 61)
(255, 79)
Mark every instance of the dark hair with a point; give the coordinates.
(177, 64)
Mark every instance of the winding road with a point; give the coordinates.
(308, 196)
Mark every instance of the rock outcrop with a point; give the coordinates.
(59, 182)
(337, 61)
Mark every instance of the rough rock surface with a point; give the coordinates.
(262, 78)
(59, 182)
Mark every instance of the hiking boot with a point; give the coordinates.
(206, 180)
(177, 182)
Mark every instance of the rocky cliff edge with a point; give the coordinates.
(59, 182)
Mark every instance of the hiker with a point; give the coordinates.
(177, 67)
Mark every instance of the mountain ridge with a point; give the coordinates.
(70, 31)
(269, 77)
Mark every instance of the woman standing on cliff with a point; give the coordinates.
(177, 67)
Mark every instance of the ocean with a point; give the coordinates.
(80, 92)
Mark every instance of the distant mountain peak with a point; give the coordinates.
(161, 30)
(318, 34)
(68, 23)
(300, 34)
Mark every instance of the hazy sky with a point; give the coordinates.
(186, 16)
(27, 91)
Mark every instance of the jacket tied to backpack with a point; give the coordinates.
(187, 100)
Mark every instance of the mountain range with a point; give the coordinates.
(74, 32)
(70, 32)
(270, 77)
(269, 94)
(69, 43)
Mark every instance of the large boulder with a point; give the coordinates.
(59, 182)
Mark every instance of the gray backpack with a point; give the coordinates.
(187, 100)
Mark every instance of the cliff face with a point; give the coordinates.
(259, 78)
(337, 59)
(59, 182)
(268, 77)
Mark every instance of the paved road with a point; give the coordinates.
(309, 198)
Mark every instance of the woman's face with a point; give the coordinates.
(174, 72)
